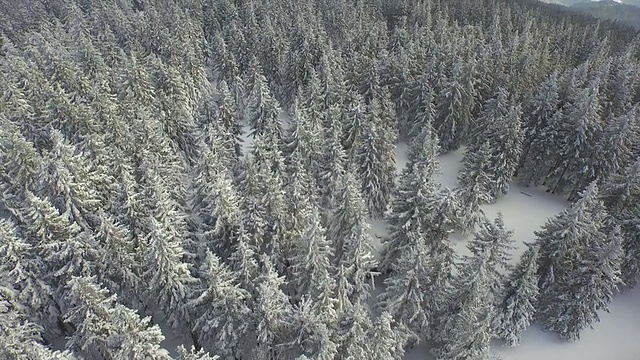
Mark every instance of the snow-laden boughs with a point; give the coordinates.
(108, 327)
(222, 318)
(411, 210)
(405, 296)
(273, 313)
(517, 307)
(579, 267)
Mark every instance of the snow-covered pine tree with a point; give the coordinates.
(453, 112)
(263, 110)
(388, 339)
(352, 333)
(193, 354)
(311, 268)
(499, 125)
(265, 203)
(60, 249)
(495, 239)
(517, 308)
(304, 138)
(464, 332)
(334, 159)
(19, 337)
(580, 260)
(221, 315)
(538, 111)
(405, 296)
(582, 126)
(375, 156)
(349, 232)
(563, 237)
(274, 315)
(621, 196)
(416, 189)
(112, 329)
(244, 262)
(314, 332)
(227, 215)
(117, 265)
(475, 186)
(588, 289)
(168, 276)
(229, 115)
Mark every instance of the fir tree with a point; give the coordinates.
(516, 310)
(466, 332)
(405, 296)
(579, 266)
(388, 341)
(410, 210)
(375, 157)
(311, 270)
(220, 311)
(475, 184)
(114, 330)
(273, 313)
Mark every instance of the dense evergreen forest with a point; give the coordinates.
(127, 192)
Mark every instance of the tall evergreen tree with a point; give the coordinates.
(375, 156)
(112, 329)
(516, 309)
(222, 317)
(579, 266)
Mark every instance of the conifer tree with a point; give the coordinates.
(453, 112)
(516, 310)
(311, 269)
(388, 341)
(273, 313)
(222, 318)
(109, 327)
(262, 112)
(349, 231)
(579, 266)
(314, 332)
(475, 183)
(353, 331)
(410, 210)
(465, 333)
(405, 296)
(375, 157)
(193, 354)
(621, 196)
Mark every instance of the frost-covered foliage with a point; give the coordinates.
(217, 165)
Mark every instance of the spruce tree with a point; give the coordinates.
(621, 195)
(580, 259)
(222, 317)
(405, 296)
(410, 211)
(475, 186)
(273, 313)
(111, 328)
(375, 157)
(516, 310)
